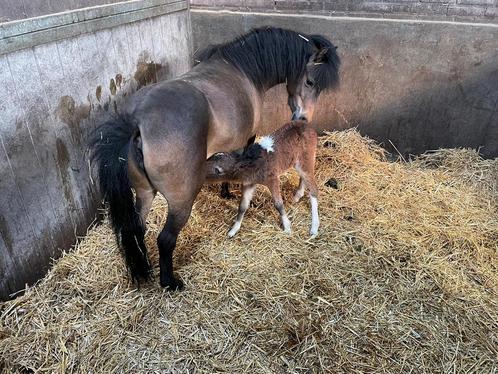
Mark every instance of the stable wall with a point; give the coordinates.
(447, 10)
(60, 75)
(412, 84)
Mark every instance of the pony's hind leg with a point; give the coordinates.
(300, 190)
(308, 179)
(278, 202)
(179, 183)
(178, 215)
(144, 199)
(144, 191)
(247, 193)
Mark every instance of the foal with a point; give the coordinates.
(293, 145)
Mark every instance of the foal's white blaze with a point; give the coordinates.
(266, 142)
(315, 220)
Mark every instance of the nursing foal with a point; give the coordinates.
(293, 145)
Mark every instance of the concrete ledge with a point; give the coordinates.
(450, 10)
(27, 33)
(345, 17)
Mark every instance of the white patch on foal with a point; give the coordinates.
(266, 142)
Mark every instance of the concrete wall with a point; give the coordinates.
(11, 10)
(415, 84)
(452, 10)
(59, 75)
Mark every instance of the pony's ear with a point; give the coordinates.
(320, 56)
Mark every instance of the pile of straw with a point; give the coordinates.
(402, 278)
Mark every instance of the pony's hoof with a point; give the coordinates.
(173, 284)
(228, 196)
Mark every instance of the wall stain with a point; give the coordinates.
(63, 160)
(112, 87)
(98, 92)
(5, 233)
(72, 115)
(146, 73)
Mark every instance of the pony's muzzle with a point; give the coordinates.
(299, 115)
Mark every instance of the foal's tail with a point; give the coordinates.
(110, 144)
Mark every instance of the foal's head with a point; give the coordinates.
(221, 166)
(230, 166)
(320, 73)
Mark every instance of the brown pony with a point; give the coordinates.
(293, 145)
(168, 130)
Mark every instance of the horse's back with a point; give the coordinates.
(171, 109)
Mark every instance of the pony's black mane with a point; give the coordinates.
(270, 55)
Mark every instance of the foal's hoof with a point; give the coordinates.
(172, 284)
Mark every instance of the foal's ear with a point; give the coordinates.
(320, 56)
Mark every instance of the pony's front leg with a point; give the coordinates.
(225, 191)
(278, 202)
(247, 194)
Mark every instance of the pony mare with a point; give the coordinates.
(162, 139)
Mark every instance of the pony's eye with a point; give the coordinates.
(308, 83)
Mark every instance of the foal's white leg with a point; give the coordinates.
(247, 193)
(300, 190)
(315, 220)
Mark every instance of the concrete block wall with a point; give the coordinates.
(413, 85)
(11, 10)
(60, 75)
(475, 10)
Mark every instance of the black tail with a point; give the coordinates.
(109, 144)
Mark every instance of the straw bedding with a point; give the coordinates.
(402, 278)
